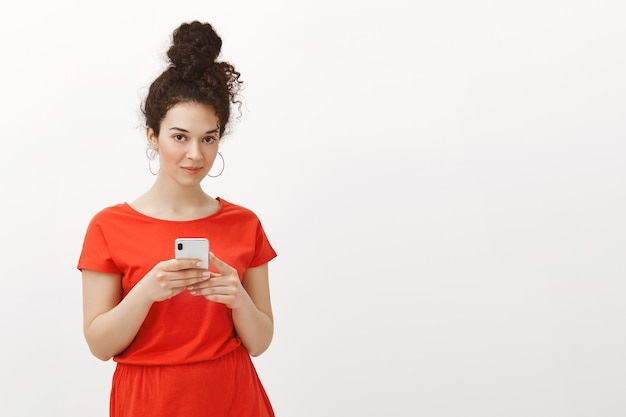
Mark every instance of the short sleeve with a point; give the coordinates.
(264, 252)
(95, 254)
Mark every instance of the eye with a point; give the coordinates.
(210, 140)
(178, 137)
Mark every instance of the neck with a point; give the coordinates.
(172, 201)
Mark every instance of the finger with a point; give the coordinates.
(200, 289)
(221, 266)
(172, 265)
(214, 281)
(213, 291)
(192, 276)
(177, 290)
(227, 300)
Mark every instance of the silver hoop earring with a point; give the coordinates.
(152, 155)
(222, 170)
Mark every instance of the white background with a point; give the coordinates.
(444, 183)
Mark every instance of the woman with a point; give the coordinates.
(181, 336)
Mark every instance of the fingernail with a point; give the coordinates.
(199, 263)
(206, 274)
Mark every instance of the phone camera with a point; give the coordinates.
(180, 246)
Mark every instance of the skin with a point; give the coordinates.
(187, 145)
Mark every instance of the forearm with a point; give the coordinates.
(254, 327)
(112, 332)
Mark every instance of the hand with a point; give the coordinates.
(171, 277)
(223, 287)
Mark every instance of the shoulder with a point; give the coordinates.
(232, 209)
(238, 216)
(111, 212)
(120, 212)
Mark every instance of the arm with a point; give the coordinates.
(110, 322)
(249, 300)
(253, 319)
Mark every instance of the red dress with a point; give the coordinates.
(186, 359)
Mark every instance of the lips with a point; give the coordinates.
(192, 170)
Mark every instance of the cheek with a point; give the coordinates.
(168, 155)
(211, 153)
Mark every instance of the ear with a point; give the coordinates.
(153, 139)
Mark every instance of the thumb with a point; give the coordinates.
(221, 266)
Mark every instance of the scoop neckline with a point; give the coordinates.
(137, 212)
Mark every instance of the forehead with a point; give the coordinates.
(191, 116)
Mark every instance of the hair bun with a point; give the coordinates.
(195, 47)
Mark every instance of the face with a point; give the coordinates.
(187, 143)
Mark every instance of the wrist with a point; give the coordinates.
(139, 295)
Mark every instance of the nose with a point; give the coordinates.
(193, 150)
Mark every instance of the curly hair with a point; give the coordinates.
(194, 75)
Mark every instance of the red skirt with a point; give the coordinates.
(227, 386)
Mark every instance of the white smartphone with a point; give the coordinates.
(192, 248)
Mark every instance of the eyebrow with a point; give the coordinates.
(180, 129)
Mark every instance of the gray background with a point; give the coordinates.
(444, 184)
